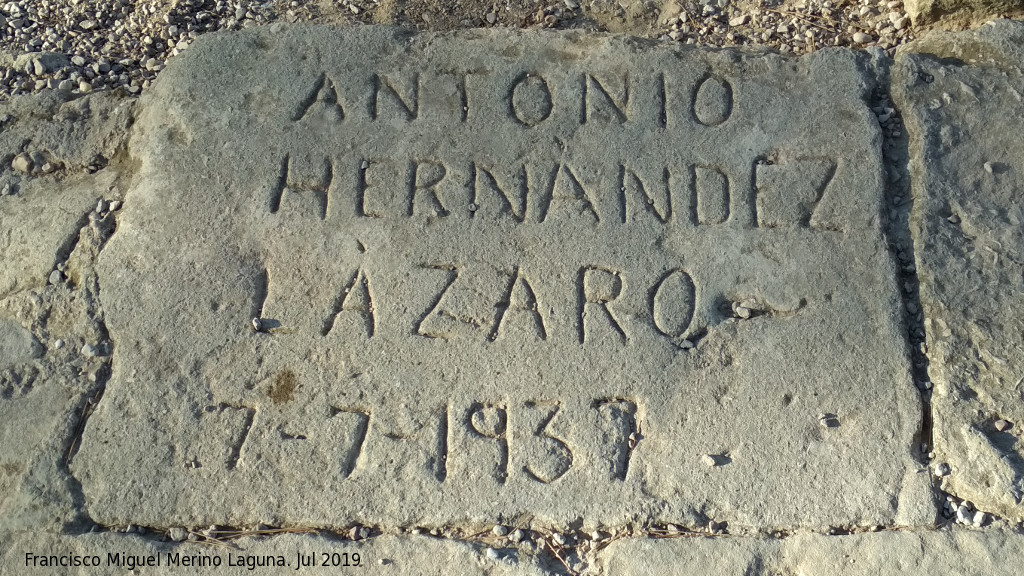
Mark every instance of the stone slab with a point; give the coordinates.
(963, 104)
(559, 278)
(967, 552)
(114, 553)
(40, 213)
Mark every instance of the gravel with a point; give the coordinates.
(83, 46)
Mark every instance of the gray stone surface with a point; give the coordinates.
(474, 299)
(966, 552)
(967, 224)
(53, 155)
(962, 12)
(385, 555)
(43, 209)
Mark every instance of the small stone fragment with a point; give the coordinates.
(1002, 425)
(55, 278)
(257, 324)
(739, 20)
(862, 38)
(709, 460)
(942, 469)
(177, 534)
(499, 530)
(517, 536)
(22, 163)
(492, 553)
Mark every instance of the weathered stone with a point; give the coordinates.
(991, 553)
(117, 553)
(40, 223)
(969, 241)
(488, 320)
(928, 11)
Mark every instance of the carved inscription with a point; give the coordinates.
(671, 301)
(790, 191)
(521, 440)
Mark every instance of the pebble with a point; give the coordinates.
(90, 351)
(499, 530)
(58, 344)
(980, 518)
(559, 539)
(862, 38)
(177, 534)
(517, 536)
(22, 163)
(55, 278)
(492, 553)
(101, 206)
(709, 460)
(1002, 425)
(942, 469)
(988, 167)
(739, 20)
(115, 205)
(491, 17)
(364, 533)
(257, 324)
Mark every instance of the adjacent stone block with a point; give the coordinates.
(964, 120)
(435, 279)
(897, 553)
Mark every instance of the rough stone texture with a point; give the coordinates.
(49, 236)
(43, 209)
(391, 555)
(923, 12)
(967, 224)
(437, 346)
(966, 552)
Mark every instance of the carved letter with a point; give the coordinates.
(409, 104)
(630, 181)
(712, 101)
(322, 103)
(525, 301)
(357, 298)
(673, 303)
(529, 100)
(600, 287)
(577, 193)
(424, 177)
(310, 180)
(711, 195)
(604, 107)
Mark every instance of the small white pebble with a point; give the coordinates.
(942, 469)
(1001, 425)
(58, 344)
(709, 460)
(499, 530)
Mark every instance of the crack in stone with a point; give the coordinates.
(896, 217)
